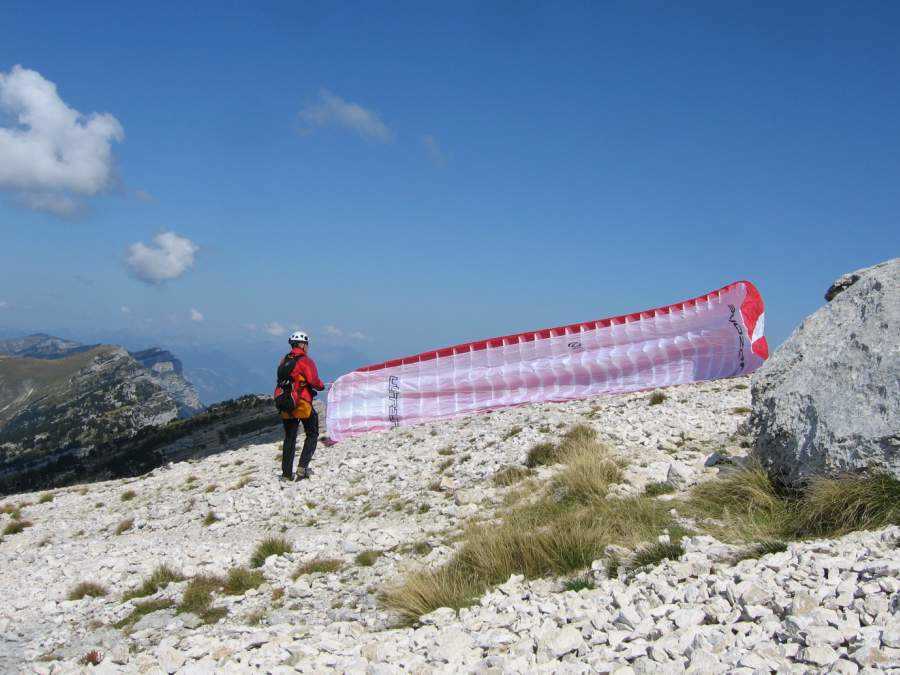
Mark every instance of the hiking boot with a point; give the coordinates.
(304, 473)
(285, 479)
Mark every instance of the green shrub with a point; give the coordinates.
(657, 397)
(46, 497)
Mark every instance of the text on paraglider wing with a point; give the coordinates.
(394, 400)
(740, 332)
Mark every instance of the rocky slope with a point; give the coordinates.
(394, 496)
(168, 373)
(76, 401)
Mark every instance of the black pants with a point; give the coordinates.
(291, 426)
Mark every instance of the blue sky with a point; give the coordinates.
(395, 177)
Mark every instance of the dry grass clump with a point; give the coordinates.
(367, 558)
(748, 505)
(269, 546)
(141, 609)
(243, 482)
(210, 518)
(510, 475)
(198, 598)
(240, 580)
(317, 566)
(657, 397)
(541, 454)
(758, 550)
(87, 589)
(561, 532)
(128, 495)
(656, 553)
(9, 509)
(16, 526)
(656, 489)
(161, 577)
(46, 497)
(125, 525)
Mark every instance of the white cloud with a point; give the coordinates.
(433, 150)
(126, 309)
(335, 332)
(331, 110)
(52, 156)
(167, 258)
(195, 315)
(250, 326)
(274, 328)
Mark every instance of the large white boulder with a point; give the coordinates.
(828, 400)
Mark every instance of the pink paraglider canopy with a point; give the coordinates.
(716, 335)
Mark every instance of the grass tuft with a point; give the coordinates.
(16, 526)
(161, 577)
(759, 550)
(210, 518)
(317, 566)
(141, 609)
(128, 495)
(510, 476)
(125, 525)
(240, 580)
(87, 589)
(198, 597)
(748, 505)
(541, 454)
(269, 546)
(46, 497)
(367, 558)
(656, 553)
(656, 489)
(657, 397)
(579, 584)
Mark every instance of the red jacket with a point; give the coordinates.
(306, 368)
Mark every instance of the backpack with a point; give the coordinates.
(287, 389)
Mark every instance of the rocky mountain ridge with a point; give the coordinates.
(60, 398)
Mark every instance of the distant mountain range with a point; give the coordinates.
(57, 393)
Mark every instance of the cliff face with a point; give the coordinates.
(168, 373)
(77, 401)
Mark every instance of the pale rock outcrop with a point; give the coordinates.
(828, 400)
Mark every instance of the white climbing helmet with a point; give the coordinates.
(298, 336)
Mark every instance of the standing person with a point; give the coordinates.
(305, 378)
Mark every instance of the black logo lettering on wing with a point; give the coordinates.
(394, 400)
(740, 332)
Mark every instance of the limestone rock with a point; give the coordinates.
(828, 400)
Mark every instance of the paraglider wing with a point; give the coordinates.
(716, 335)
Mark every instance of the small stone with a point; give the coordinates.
(820, 655)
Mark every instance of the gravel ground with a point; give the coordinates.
(819, 606)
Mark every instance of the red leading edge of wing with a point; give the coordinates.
(752, 309)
